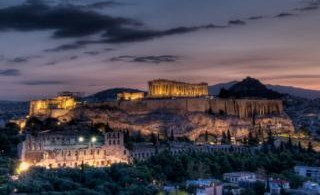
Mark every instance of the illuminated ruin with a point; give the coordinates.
(54, 107)
(165, 88)
(129, 96)
(67, 149)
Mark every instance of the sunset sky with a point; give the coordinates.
(90, 45)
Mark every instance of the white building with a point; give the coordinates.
(206, 186)
(311, 172)
(237, 177)
(277, 185)
(311, 187)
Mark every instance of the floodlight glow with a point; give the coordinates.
(81, 139)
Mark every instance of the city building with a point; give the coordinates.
(310, 172)
(311, 188)
(238, 177)
(206, 186)
(276, 186)
(165, 89)
(69, 149)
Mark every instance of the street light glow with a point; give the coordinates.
(81, 139)
(93, 139)
(23, 167)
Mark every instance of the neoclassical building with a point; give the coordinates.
(162, 88)
(68, 149)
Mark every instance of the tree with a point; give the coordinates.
(34, 123)
(228, 137)
(289, 143)
(153, 138)
(252, 140)
(172, 136)
(224, 93)
(310, 147)
(224, 138)
(270, 139)
(299, 146)
(206, 136)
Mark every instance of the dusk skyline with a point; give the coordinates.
(81, 45)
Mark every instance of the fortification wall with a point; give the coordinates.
(242, 108)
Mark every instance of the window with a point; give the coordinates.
(125, 152)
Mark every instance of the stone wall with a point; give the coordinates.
(54, 150)
(242, 108)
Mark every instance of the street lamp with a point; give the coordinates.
(93, 139)
(81, 139)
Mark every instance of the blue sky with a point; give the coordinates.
(124, 43)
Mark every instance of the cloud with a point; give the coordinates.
(237, 22)
(66, 21)
(147, 59)
(308, 8)
(22, 59)
(44, 82)
(91, 53)
(101, 5)
(65, 47)
(19, 60)
(9, 72)
(255, 17)
(284, 14)
(60, 60)
(120, 35)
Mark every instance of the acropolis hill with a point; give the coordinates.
(185, 109)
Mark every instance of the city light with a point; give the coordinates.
(93, 139)
(81, 139)
(23, 167)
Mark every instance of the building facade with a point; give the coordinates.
(52, 108)
(130, 96)
(237, 177)
(310, 172)
(165, 89)
(65, 149)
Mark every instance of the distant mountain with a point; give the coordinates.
(109, 94)
(294, 91)
(215, 89)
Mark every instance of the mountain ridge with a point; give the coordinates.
(294, 91)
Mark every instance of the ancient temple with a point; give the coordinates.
(68, 149)
(165, 88)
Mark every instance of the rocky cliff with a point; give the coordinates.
(190, 124)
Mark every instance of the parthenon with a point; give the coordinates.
(165, 88)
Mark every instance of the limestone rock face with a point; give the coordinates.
(191, 124)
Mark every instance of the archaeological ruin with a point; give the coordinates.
(165, 88)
